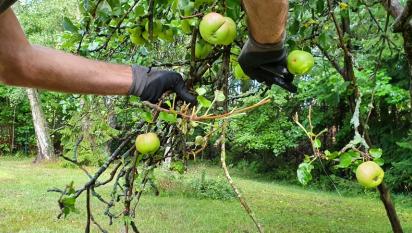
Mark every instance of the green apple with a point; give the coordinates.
(239, 74)
(147, 143)
(202, 49)
(369, 174)
(300, 62)
(217, 29)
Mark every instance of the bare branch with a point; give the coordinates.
(242, 200)
(209, 117)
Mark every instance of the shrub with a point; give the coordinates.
(216, 189)
(202, 187)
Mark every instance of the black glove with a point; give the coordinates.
(150, 84)
(266, 64)
(5, 4)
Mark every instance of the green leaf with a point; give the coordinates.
(201, 91)
(204, 102)
(70, 188)
(331, 155)
(219, 96)
(304, 173)
(139, 11)
(323, 40)
(168, 103)
(320, 6)
(68, 201)
(317, 143)
(375, 152)
(69, 26)
(234, 9)
(353, 154)
(127, 220)
(147, 116)
(113, 3)
(379, 161)
(345, 160)
(178, 166)
(168, 117)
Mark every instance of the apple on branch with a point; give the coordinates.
(300, 62)
(217, 29)
(369, 174)
(147, 143)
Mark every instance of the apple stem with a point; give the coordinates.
(390, 208)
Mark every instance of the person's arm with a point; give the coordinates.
(267, 19)
(24, 65)
(263, 56)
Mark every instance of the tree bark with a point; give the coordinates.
(396, 10)
(44, 142)
(390, 208)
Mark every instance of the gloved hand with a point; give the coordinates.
(150, 84)
(266, 64)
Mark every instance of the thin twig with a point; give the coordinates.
(242, 199)
(209, 117)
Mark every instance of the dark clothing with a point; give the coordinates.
(5, 4)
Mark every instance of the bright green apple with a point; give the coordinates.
(202, 49)
(239, 74)
(147, 143)
(217, 29)
(369, 174)
(300, 62)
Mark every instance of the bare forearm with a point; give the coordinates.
(267, 19)
(32, 66)
(53, 70)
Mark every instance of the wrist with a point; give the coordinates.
(280, 45)
(139, 80)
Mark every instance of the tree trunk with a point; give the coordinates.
(390, 208)
(44, 142)
(396, 10)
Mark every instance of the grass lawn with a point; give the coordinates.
(25, 206)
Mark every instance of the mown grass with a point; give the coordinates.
(25, 206)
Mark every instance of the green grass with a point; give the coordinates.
(25, 206)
